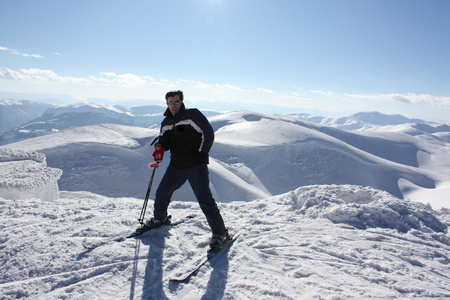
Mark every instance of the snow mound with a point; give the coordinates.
(364, 207)
(24, 175)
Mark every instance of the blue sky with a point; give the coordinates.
(334, 57)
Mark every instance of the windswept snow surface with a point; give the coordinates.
(315, 242)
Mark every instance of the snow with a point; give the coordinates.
(14, 112)
(110, 134)
(322, 241)
(89, 107)
(439, 195)
(26, 175)
(275, 133)
(320, 210)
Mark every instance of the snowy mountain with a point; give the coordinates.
(38, 121)
(285, 152)
(361, 120)
(14, 112)
(256, 156)
(58, 118)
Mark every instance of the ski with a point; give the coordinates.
(210, 254)
(126, 235)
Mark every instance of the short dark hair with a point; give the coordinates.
(175, 93)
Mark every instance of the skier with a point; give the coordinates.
(189, 137)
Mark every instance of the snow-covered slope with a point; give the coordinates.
(112, 160)
(285, 152)
(323, 242)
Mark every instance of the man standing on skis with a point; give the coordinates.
(189, 137)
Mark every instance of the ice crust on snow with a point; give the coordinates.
(25, 175)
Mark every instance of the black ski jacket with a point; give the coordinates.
(189, 137)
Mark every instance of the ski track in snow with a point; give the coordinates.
(289, 249)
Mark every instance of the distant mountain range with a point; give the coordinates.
(14, 113)
(25, 119)
(22, 119)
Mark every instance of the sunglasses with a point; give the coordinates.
(176, 102)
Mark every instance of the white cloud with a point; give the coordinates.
(266, 91)
(322, 92)
(196, 83)
(11, 74)
(113, 79)
(411, 98)
(123, 80)
(38, 75)
(165, 83)
(13, 51)
(25, 54)
(31, 55)
(109, 74)
(298, 98)
(228, 86)
(104, 79)
(217, 86)
(202, 85)
(128, 80)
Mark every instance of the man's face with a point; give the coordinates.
(174, 104)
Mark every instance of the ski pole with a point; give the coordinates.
(144, 207)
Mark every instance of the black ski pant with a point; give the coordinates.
(198, 177)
